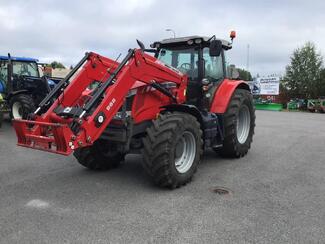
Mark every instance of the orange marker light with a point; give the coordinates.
(232, 34)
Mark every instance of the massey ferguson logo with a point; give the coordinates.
(110, 105)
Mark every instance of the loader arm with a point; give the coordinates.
(79, 115)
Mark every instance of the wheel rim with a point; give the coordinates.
(17, 110)
(243, 124)
(185, 152)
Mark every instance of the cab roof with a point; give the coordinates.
(183, 41)
(22, 59)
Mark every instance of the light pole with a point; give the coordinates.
(171, 30)
(247, 64)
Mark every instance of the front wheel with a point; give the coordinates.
(20, 106)
(172, 149)
(102, 155)
(239, 124)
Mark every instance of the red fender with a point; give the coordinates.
(224, 93)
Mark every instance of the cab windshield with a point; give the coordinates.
(186, 61)
(25, 68)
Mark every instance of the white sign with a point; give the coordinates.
(266, 86)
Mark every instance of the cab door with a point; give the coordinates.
(214, 74)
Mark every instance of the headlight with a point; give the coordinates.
(198, 41)
(190, 42)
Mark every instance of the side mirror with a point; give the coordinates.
(215, 48)
(141, 45)
(162, 52)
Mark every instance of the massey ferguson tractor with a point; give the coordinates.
(169, 103)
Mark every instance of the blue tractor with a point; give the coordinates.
(21, 86)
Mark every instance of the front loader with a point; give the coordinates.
(170, 106)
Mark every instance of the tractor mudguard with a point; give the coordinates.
(147, 103)
(185, 108)
(224, 93)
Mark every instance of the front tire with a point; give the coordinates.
(102, 155)
(239, 123)
(20, 106)
(172, 149)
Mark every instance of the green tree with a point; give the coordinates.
(57, 65)
(303, 74)
(244, 75)
(322, 83)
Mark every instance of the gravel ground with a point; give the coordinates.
(277, 194)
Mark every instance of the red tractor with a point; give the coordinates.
(170, 103)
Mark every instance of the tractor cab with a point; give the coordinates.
(13, 69)
(202, 58)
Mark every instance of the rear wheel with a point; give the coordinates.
(239, 122)
(102, 155)
(20, 106)
(172, 149)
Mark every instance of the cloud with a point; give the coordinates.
(64, 30)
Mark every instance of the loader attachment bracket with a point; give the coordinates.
(51, 137)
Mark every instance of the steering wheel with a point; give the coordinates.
(185, 67)
(25, 73)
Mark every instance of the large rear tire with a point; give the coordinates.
(102, 155)
(20, 106)
(172, 149)
(239, 122)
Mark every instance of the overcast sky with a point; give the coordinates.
(64, 30)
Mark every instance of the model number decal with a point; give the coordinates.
(110, 105)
